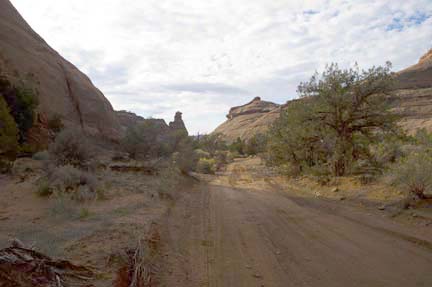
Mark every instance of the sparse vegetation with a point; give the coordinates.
(206, 166)
(8, 135)
(44, 189)
(413, 174)
(70, 148)
(22, 102)
(143, 141)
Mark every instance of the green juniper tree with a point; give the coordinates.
(341, 113)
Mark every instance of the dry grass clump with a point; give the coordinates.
(78, 184)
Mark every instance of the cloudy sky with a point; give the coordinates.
(155, 57)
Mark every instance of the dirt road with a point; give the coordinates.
(219, 236)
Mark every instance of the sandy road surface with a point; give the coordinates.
(221, 236)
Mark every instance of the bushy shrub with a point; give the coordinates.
(143, 140)
(71, 148)
(221, 159)
(44, 189)
(22, 102)
(211, 143)
(238, 146)
(168, 181)
(8, 132)
(55, 123)
(256, 144)
(185, 157)
(413, 174)
(206, 166)
(199, 153)
(78, 184)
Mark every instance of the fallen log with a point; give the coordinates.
(24, 267)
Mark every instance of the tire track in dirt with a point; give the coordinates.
(234, 237)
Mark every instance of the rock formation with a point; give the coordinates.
(129, 119)
(412, 98)
(247, 120)
(178, 123)
(62, 88)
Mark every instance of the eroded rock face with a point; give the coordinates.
(417, 76)
(62, 88)
(256, 106)
(247, 120)
(413, 97)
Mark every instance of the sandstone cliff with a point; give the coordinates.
(62, 88)
(412, 98)
(249, 119)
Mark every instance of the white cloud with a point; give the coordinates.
(202, 57)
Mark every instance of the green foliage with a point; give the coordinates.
(84, 213)
(211, 143)
(199, 153)
(44, 189)
(206, 166)
(143, 140)
(256, 145)
(331, 129)
(8, 132)
(71, 148)
(22, 102)
(423, 138)
(184, 156)
(238, 146)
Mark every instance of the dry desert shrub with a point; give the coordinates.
(79, 185)
(70, 148)
(413, 175)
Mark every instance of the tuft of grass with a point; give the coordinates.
(44, 190)
(84, 213)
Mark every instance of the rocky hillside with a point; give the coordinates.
(62, 88)
(412, 98)
(249, 119)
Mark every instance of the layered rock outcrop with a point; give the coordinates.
(62, 88)
(247, 120)
(413, 97)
